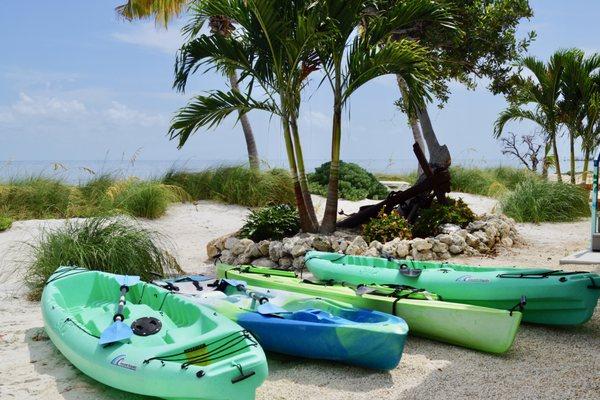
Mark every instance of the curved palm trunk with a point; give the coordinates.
(253, 159)
(305, 222)
(310, 209)
(572, 155)
(412, 120)
(331, 206)
(556, 159)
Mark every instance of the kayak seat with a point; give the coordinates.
(316, 316)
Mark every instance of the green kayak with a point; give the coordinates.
(177, 349)
(553, 297)
(479, 328)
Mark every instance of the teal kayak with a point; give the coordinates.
(302, 325)
(553, 297)
(177, 350)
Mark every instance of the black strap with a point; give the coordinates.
(539, 275)
(593, 285)
(520, 305)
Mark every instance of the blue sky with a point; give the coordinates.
(78, 83)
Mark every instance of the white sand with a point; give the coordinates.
(545, 363)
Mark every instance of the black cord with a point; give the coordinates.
(81, 328)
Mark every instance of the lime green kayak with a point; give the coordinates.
(178, 350)
(553, 297)
(479, 328)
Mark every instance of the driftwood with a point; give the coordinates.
(432, 183)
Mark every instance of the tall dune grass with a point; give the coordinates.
(35, 197)
(536, 200)
(113, 245)
(236, 185)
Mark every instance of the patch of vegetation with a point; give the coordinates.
(410, 177)
(35, 198)
(5, 223)
(536, 200)
(355, 182)
(113, 245)
(145, 199)
(386, 227)
(455, 212)
(236, 185)
(274, 223)
(488, 181)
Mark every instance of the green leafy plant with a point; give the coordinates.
(5, 223)
(454, 212)
(355, 182)
(537, 201)
(274, 222)
(35, 197)
(113, 245)
(386, 227)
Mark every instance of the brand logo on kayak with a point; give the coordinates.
(119, 361)
(471, 279)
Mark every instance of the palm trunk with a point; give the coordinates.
(253, 159)
(556, 159)
(331, 206)
(305, 222)
(310, 209)
(412, 120)
(572, 155)
(586, 163)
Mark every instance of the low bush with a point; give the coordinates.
(488, 181)
(113, 245)
(5, 223)
(429, 220)
(536, 200)
(386, 227)
(274, 223)
(236, 185)
(410, 177)
(355, 182)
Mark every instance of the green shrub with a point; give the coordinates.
(236, 185)
(145, 199)
(536, 200)
(410, 177)
(511, 177)
(470, 180)
(35, 197)
(386, 227)
(355, 182)
(114, 245)
(274, 222)
(454, 212)
(5, 223)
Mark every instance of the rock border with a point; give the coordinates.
(482, 236)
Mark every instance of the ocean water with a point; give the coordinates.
(77, 171)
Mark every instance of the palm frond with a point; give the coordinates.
(209, 111)
(163, 11)
(514, 113)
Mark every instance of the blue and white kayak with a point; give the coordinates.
(301, 325)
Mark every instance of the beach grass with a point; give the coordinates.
(117, 245)
(536, 200)
(105, 195)
(5, 223)
(236, 185)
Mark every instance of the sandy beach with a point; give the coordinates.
(544, 363)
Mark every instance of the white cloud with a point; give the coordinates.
(122, 114)
(316, 119)
(31, 110)
(148, 35)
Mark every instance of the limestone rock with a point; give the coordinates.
(299, 250)
(357, 247)
(285, 263)
(227, 257)
(376, 244)
(322, 243)
(403, 248)
(298, 263)
(507, 242)
(241, 247)
(472, 240)
(444, 238)
(455, 249)
(275, 250)
(449, 228)
(421, 244)
(439, 247)
(372, 252)
(230, 242)
(263, 247)
(264, 262)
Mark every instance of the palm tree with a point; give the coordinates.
(578, 88)
(274, 50)
(542, 91)
(163, 11)
(349, 61)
